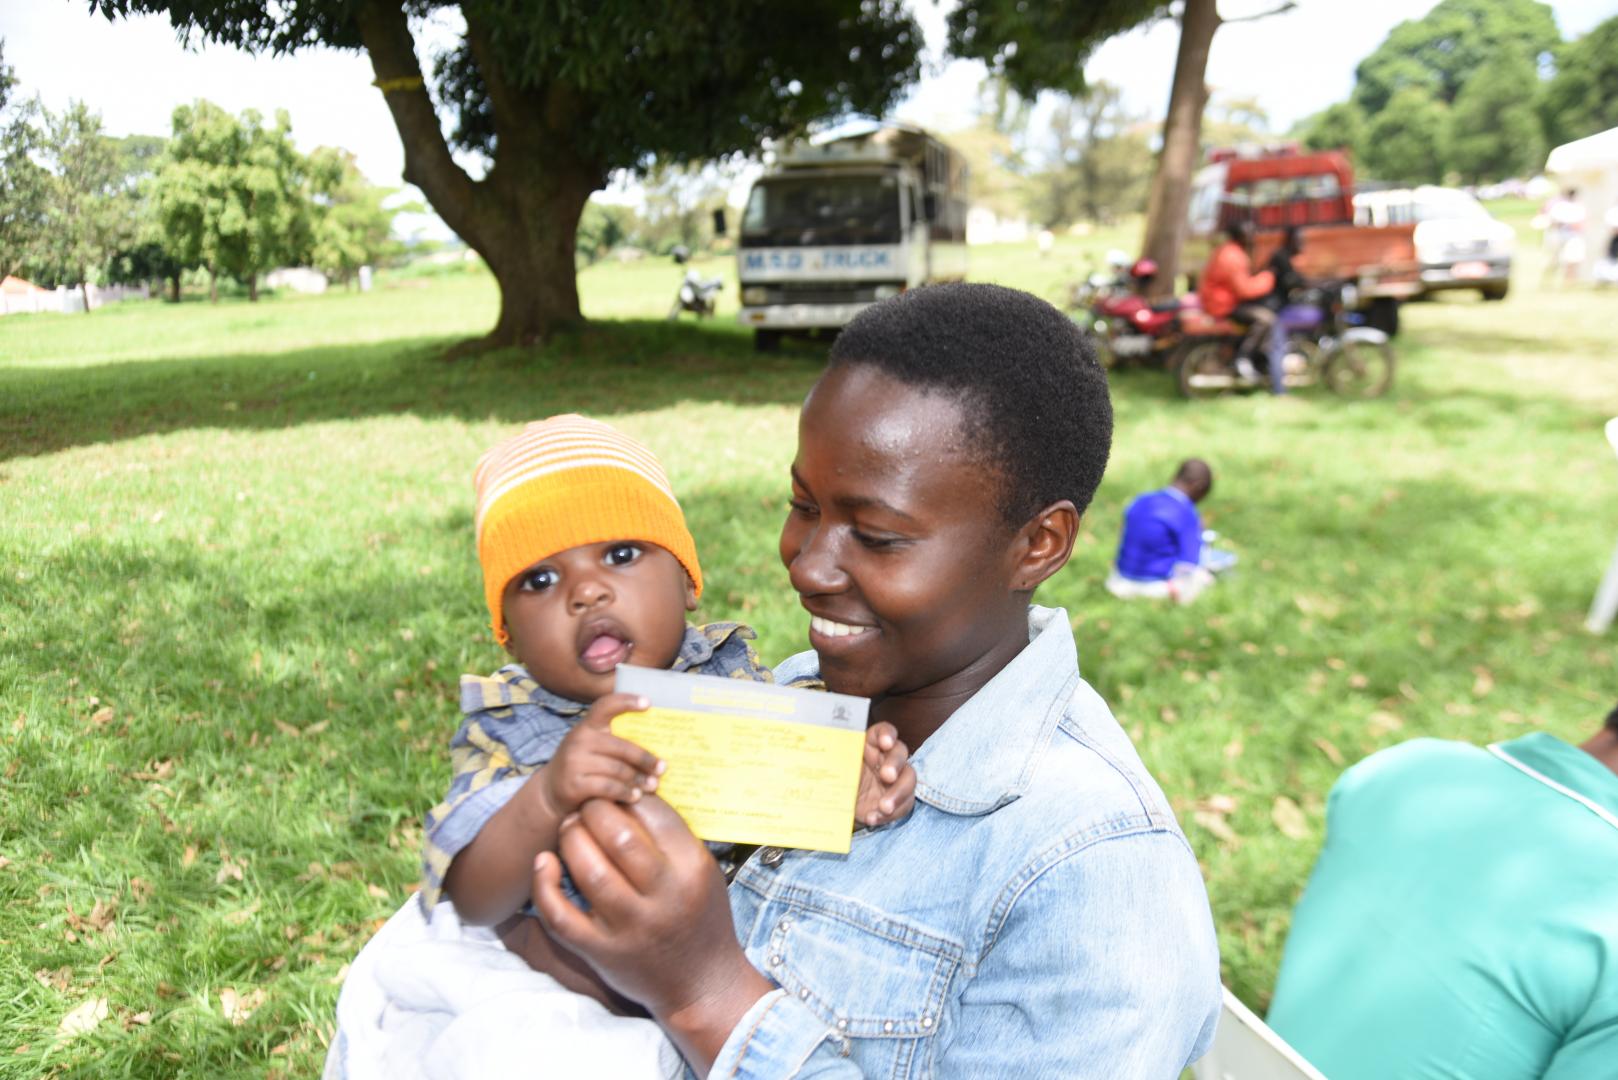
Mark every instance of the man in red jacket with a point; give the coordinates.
(1229, 287)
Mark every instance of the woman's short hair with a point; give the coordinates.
(1033, 395)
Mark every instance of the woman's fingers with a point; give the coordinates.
(561, 919)
(625, 842)
(595, 872)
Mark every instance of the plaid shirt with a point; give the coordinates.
(513, 726)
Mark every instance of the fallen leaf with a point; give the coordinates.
(337, 979)
(1214, 823)
(155, 770)
(139, 1019)
(1167, 714)
(4, 862)
(141, 889)
(238, 917)
(1381, 723)
(189, 857)
(377, 891)
(1218, 804)
(1357, 681)
(1483, 683)
(238, 1007)
(102, 716)
(286, 729)
(83, 1018)
(227, 870)
(1233, 750)
(102, 914)
(317, 727)
(58, 980)
(1289, 818)
(1334, 755)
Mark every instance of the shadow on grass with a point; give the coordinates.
(604, 368)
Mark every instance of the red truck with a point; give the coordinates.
(1279, 186)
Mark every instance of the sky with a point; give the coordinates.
(134, 72)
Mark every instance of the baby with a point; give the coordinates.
(587, 564)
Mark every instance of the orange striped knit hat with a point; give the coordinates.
(566, 481)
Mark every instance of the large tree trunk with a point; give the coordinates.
(213, 286)
(252, 287)
(1182, 134)
(174, 288)
(84, 291)
(523, 216)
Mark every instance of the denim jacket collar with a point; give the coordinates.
(984, 755)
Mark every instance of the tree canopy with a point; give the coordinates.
(1042, 46)
(1582, 98)
(1439, 51)
(25, 184)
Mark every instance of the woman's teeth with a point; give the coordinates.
(827, 628)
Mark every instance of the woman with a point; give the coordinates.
(1039, 913)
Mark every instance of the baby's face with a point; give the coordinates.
(575, 616)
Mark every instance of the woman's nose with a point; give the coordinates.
(815, 567)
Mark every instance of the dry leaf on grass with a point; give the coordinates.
(227, 871)
(189, 856)
(83, 1018)
(1483, 683)
(1289, 818)
(237, 918)
(377, 891)
(1334, 755)
(287, 729)
(140, 889)
(238, 1007)
(1381, 723)
(102, 716)
(1215, 823)
(58, 980)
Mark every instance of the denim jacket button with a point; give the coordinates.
(926, 1021)
(783, 925)
(775, 960)
(842, 1025)
(804, 993)
(771, 856)
(887, 1025)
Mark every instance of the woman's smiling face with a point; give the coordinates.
(895, 541)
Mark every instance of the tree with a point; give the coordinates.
(142, 258)
(86, 218)
(1336, 127)
(1101, 164)
(602, 227)
(1582, 97)
(24, 185)
(1234, 122)
(351, 227)
(1039, 46)
(230, 194)
(1407, 142)
(1439, 51)
(556, 94)
(1494, 131)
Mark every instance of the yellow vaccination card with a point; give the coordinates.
(751, 763)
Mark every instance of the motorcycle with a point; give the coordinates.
(696, 293)
(1324, 344)
(1125, 326)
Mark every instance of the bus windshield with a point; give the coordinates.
(805, 211)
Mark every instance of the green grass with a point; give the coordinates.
(239, 586)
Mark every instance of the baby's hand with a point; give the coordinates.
(593, 763)
(887, 781)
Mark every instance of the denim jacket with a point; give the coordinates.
(1039, 914)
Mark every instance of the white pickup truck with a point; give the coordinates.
(835, 226)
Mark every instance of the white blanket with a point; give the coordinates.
(441, 1000)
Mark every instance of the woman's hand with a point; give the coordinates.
(659, 929)
(887, 779)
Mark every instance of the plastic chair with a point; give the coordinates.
(1245, 1048)
(1605, 605)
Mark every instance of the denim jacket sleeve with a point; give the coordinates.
(1134, 1014)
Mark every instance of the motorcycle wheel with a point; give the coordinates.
(1206, 369)
(1359, 369)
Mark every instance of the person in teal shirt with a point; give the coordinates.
(1462, 921)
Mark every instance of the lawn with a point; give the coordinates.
(239, 586)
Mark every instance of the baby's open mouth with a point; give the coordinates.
(604, 652)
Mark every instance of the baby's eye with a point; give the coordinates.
(621, 554)
(538, 580)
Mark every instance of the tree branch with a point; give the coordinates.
(1280, 9)
(385, 31)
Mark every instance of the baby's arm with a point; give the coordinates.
(490, 878)
(887, 779)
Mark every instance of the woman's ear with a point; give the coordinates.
(1044, 545)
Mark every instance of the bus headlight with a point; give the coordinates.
(754, 295)
(887, 292)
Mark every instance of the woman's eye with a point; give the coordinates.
(538, 580)
(801, 506)
(622, 554)
(875, 543)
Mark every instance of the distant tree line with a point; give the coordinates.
(230, 196)
(1475, 91)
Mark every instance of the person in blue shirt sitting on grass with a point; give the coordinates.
(1161, 554)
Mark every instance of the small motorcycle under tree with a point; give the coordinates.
(1219, 356)
(696, 293)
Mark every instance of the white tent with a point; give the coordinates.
(1590, 167)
